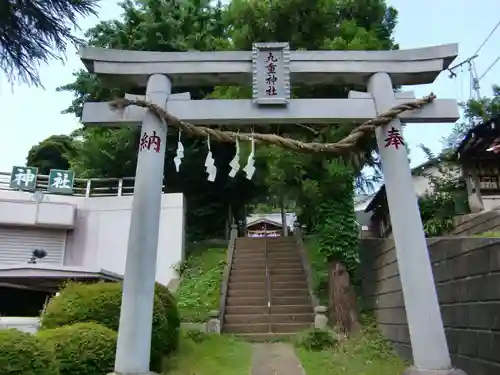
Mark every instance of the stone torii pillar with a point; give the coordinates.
(428, 340)
(134, 334)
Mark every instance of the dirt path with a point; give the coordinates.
(275, 359)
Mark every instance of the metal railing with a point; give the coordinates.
(83, 187)
(268, 285)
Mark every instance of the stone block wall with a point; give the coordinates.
(467, 275)
(471, 224)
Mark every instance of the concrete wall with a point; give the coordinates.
(467, 275)
(99, 234)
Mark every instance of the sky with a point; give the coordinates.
(29, 114)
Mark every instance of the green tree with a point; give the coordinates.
(161, 26)
(33, 32)
(54, 152)
(198, 24)
(475, 111)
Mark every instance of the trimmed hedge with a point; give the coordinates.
(173, 317)
(82, 348)
(23, 353)
(101, 303)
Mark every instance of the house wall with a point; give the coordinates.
(467, 276)
(98, 235)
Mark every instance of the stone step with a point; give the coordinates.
(262, 292)
(248, 293)
(275, 285)
(245, 285)
(266, 327)
(287, 271)
(270, 257)
(291, 327)
(248, 271)
(289, 293)
(263, 309)
(291, 300)
(290, 277)
(246, 301)
(266, 318)
(244, 277)
(265, 337)
(272, 265)
(262, 253)
(278, 265)
(256, 262)
(247, 328)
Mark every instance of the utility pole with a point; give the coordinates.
(474, 81)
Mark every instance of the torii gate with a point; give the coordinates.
(269, 68)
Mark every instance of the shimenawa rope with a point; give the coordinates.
(292, 144)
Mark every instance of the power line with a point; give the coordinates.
(489, 68)
(487, 38)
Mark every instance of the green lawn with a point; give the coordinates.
(367, 354)
(212, 355)
(199, 290)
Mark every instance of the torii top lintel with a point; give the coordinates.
(406, 67)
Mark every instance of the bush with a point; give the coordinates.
(101, 302)
(22, 353)
(316, 339)
(82, 348)
(173, 316)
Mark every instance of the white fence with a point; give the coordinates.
(86, 187)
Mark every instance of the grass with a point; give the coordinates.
(199, 290)
(488, 234)
(319, 269)
(367, 354)
(210, 355)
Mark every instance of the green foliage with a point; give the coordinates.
(366, 353)
(54, 152)
(82, 348)
(336, 227)
(101, 303)
(316, 339)
(35, 32)
(196, 336)
(445, 198)
(475, 112)
(488, 234)
(213, 355)
(23, 353)
(199, 290)
(203, 25)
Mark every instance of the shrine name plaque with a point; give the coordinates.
(271, 73)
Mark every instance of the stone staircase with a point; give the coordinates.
(266, 303)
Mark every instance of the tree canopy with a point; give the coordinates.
(32, 32)
(177, 25)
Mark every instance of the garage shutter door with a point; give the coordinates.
(17, 244)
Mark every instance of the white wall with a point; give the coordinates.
(99, 237)
(23, 324)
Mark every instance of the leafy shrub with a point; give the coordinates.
(101, 302)
(22, 353)
(82, 348)
(199, 290)
(316, 339)
(196, 336)
(173, 318)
